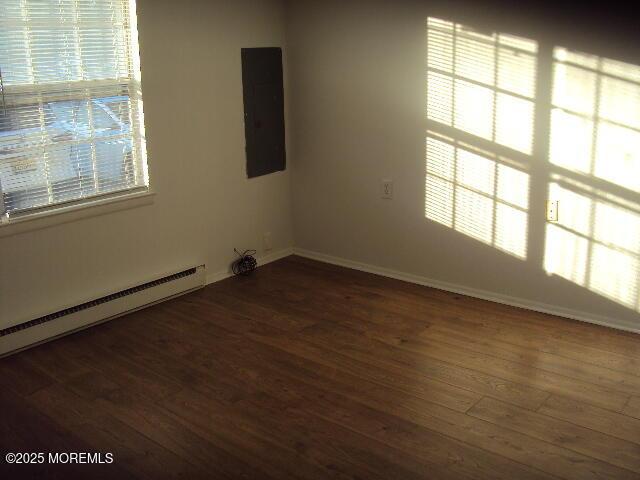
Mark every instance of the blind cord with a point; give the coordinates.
(4, 105)
(3, 216)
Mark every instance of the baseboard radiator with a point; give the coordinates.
(23, 335)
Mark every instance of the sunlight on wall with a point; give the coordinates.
(595, 136)
(480, 104)
(481, 84)
(477, 193)
(595, 118)
(597, 244)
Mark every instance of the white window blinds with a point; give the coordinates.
(71, 121)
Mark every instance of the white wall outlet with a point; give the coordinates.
(387, 189)
(552, 211)
(267, 242)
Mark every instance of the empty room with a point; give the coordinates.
(305, 239)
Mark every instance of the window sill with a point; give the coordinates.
(71, 213)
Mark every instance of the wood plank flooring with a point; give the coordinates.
(310, 371)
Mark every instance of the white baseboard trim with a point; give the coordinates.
(471, 292)
(262, 260)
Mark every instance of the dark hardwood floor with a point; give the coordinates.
(306, 370)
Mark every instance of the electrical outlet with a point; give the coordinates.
(387, 189)
(266, 241)
(552, 211)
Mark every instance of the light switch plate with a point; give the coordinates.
(387, 189)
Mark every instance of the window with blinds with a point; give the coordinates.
(71, 119)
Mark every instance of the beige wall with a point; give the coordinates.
(205, 206)
(357, 116)
(358, 99)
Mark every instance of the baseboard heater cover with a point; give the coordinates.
(20, 336)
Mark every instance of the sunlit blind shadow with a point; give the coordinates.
(477, 193)
(595, 140)
(480, 99)
(595, 118)
(482, 84)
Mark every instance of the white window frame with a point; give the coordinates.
(97, 204)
